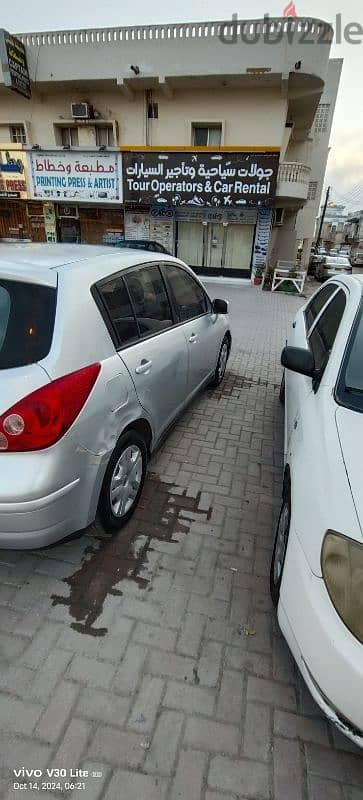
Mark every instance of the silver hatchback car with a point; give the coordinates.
(100, 350)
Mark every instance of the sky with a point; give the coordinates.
(345, 164)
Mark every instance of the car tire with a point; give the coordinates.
(220, 369)
(280, 545)
(123, 481)
(282, 389)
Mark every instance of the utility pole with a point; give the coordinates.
(322, 219)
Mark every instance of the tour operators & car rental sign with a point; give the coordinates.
(200, 178)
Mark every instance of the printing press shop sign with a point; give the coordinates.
(214, 179)
(14, 64)
(12, 174)
(80, 176)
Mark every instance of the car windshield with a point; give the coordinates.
(27, 313)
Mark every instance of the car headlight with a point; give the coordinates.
(342, 568)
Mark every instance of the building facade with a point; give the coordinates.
(204, 137)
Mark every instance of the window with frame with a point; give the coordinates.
(321, 118)
(104, 136)
(69, 137)
(317, 303)
(17, 134)
(119, 310)
(322, 337)
(150, 300)
(312, 190)
(188, 296)
(206, 135)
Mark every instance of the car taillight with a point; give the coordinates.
(41, 418)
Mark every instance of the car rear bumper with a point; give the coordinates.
(40, 521)
(328, 656)
(58, 501)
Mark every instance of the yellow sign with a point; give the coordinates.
(13, 175)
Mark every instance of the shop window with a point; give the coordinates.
(17, 134)
(312, 190)
(321, 118)
(206, 135)
(69, 137)
(104, 136)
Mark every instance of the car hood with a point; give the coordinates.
(350, 431)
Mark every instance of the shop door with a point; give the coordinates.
(238, 248)
(216, 233)
(190, 243)
(69, 231)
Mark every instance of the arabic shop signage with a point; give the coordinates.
(82, 176)
(14, 64)
(215, 179)
(12, 174)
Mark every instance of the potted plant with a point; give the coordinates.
(257, 279)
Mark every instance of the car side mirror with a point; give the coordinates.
(220, 307)
(299, 359)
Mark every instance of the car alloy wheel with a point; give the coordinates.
(280, 547)
(123, 481)
(221, 363)
(126, 480)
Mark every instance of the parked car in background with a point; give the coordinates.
(141, 244)
(329, 266)
(100, 350)
(317, 565)
(357, 259)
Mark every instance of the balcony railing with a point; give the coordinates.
(315, 28)
(293, 172)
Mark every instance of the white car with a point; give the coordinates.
(317, 564)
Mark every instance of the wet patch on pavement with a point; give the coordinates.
(163, 512)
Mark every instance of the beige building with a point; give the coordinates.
(187, 134)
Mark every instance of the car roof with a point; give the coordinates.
(41, 263)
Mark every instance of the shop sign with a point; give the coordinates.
(212, 179)
(262, 237)
(14, 64)
(236, 216)
(12, 174)
(83, 176)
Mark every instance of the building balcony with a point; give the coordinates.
(260, 52)
(293, 182)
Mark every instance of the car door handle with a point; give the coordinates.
(193, 338)
(143, 367)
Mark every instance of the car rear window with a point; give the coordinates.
(27, 313)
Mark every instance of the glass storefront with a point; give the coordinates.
(216, 247)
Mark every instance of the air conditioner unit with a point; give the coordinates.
(81, 111)
(278, 216)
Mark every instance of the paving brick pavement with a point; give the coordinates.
(153, 659)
